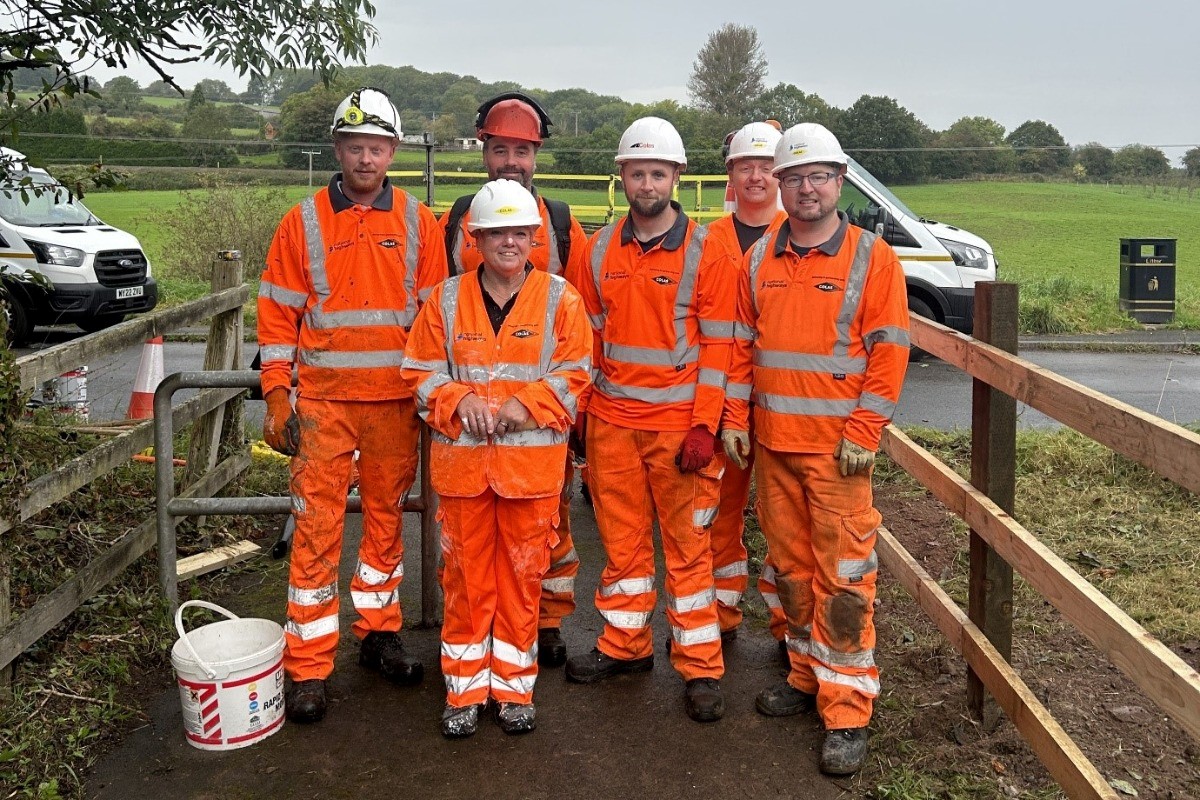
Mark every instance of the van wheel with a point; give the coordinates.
(93, 324)
(921, 309)
(18, 329)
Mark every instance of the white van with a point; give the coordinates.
(941, 263)
(58, 262)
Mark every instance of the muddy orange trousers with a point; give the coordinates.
(385, 435)
(634, 480)
(495, 551)
(730, 570)
(558, 585)
(820, 530)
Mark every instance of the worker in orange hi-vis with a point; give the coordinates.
(822, 335)
(345, 275)
(749, 156)
(500, 358)
(512, 127)
(661, 305)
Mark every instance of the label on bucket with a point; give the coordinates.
(223, 715)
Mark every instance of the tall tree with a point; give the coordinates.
(1040, 147)
(728, 72)
(885, 137)
(215, 89)
(1141, 161)
(790, 106)
(1095, 159)
(971, 146)
(304, 121)
(1191, 162)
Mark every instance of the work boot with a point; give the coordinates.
(784, 700)
(552, 650)
(459, 722)
(844, 751)
(517, 718)
(305, 701)
(596, 666)
(703, 701)
(382, 651)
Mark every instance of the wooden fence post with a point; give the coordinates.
(993, 471)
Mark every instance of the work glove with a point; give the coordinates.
(577, 438)
(281, 427)
(697, 450)
(737, 446)
(853, 458)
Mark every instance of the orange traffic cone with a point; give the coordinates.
(149, 376)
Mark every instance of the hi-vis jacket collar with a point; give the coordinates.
(674, 238)
(340, 202)
(829, 247)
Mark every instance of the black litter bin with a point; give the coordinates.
(1148, 279)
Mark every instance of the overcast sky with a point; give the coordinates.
(1116, 73)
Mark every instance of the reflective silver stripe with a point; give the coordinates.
(501, 371)
(648, 356)
(689, 636)
(373, 577)
(888, 333)
(743, 331)
(423, 294)
(313, 630)
(599, 251)
(805, 406)
(732, 570)
(549, 340)
(738, 391)
(298, 505)
(712, 377)
(314, 242)
(363, 359)
(628, 586)
(673, 394)
(277, 352)
(863, 683)
(562, 391)
(312, 597)
(808, 362)
(423, 366)
(703, 517)
(757, 254)
(412, 249)
(768, 574)
(859, 568)
(629, 620)
(692, 602)
(685, 293)
(855, 283)
(426, 389)
(728, 597)
(797, 644)
(555, 266)
(375, 599)
(285, 297)
(511, 655)
(582, 365)
(834, 658)
(456, 252)
(320, 319)
(538, 437)
(570, 558)
(597, 321)
(467, 652)
(450, 290)
(771, 599)
(880, 405)
(559, 585)
(457, 685)
(716, 329)
(519, 685)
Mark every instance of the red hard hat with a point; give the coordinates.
(514, 119)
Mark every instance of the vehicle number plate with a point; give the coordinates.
(132, 291)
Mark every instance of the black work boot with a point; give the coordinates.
(552, 650)
(703, 701)
(459, 722)
(596, 666)
(784, 700)
(516, 718)
(844, 751)
(305, 701)
(382, 651)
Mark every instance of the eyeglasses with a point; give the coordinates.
(816, 180)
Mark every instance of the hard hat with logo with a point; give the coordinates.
(515, 115)
(503, 204)
(367, 110)
(807, 143)
(756, 140)
(651, 138)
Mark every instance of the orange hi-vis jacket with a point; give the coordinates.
(341, 289)
(722, 231)
(823, 338)
(663, 323)
(541, 357)
(463, 255)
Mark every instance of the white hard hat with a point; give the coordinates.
(367, 110)
(807, 143)
(503, 204)
(756, 140)
(651, 138)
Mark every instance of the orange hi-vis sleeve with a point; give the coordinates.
(464, 256)
(663, 321)
(542, 357)
(340, 291)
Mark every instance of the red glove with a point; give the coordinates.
(697, 450)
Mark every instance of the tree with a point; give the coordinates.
(304, 120)
(1040, 147)
(728, 72)
(971, 146)
(122, 95)
(1096, 160)
(445, 128)
(1141, 161)
(159, 88)
(215, 89)
(790, 106)
(885, 138)
(1191, 162)
(208, 126)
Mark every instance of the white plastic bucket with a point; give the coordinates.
(230, 677)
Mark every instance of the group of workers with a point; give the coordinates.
(664, 354)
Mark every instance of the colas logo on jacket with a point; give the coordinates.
(524, 333)
(662, 280)
(389, 243)
(826, 286)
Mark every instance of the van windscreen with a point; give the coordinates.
(44, 203)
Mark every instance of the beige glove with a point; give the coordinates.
(853, 458)
(737, 446)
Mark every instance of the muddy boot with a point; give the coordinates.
(703, 701)
(382, 651)
(596, 666)
(458, 722)
(784, 700)
(552, 650)
(305, 701)
(516, 718)
(844, 751)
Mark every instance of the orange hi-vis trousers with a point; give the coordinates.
(776, 619)
(730, 570)
(632, 475)
(385, 434)
(820, 529)
(494, 553)
(558, 584)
